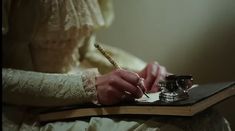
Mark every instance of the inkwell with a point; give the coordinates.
(175, 88)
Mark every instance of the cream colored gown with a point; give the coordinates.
(49, 60)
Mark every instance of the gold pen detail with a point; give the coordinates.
(110, 59)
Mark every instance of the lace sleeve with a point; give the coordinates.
(47, 89)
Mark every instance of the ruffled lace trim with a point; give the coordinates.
(69, 14)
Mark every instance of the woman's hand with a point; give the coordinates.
(152, 74)
(117, 86)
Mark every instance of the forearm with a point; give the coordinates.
(44, 89)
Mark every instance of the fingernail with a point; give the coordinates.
(141, 82)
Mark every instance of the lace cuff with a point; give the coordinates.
(88, 79)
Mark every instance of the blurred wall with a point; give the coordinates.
(186, 36)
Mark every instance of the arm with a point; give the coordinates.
(151, 72)
(46, 89)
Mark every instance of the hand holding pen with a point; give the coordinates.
(122, 84)
(119, 84)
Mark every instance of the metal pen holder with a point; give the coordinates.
(175, 88)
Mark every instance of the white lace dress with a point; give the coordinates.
(49, 60)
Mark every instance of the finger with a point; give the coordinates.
(123, 86)
(114, 93)
(152, 73)
(143, 72)
(131, 77)
(161, 74)
(154, 66)
(135, 91)
(111, 96)
(154, 89)
(141, 84)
